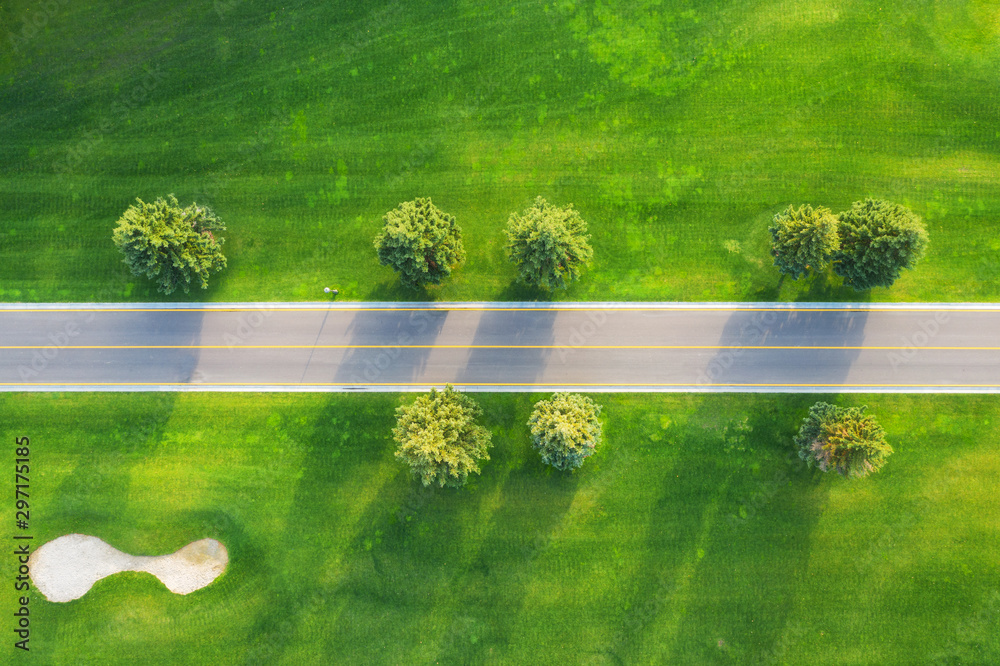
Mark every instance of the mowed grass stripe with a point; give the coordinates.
(335, 550)
(303, 125)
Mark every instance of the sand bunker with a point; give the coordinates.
(65, 568)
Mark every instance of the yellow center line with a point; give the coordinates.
(569, 346)
(442, 383)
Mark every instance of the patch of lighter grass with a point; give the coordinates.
(352, 500)
(184, 474)
(964, 169)
(963, 496)
(781, 15)
(972, 28)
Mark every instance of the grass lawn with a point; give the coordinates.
(677, 129)
(688, 538)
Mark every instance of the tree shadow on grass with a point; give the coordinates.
(92, 499)
(734, 510)
(759, 545)
(768, 293)
(440, 572)
(518, 291)
(525, 528)
(402, 566)
(343, 441)
(394, 290)
(827, 288)
(818, 288)
(246, 572)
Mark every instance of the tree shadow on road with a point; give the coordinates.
(396, 361)
(531, 330)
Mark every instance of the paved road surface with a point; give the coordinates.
(501, 347)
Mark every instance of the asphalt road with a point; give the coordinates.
(501, 347)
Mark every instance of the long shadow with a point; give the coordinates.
(169, 366)
(247, 570)
(736, 508)
(73, 348)
(826, 288)
(512, 329)
(838, 332)
(95, 495)
(393, 290)
(395, 362)
(518, 291)
(406, 554)
(299, 589)
(532, 504)
(181, 328)
(761, 531)
(427, 547)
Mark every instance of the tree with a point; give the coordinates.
(169, 244)
(803, 239)
(844, 439)
(439, 439)
(878, 239)
(549, 245)
(565, 429)
(420, 242)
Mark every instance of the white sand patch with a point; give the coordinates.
(65, 568)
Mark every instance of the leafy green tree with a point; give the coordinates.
(844, 439)
(803, 239)
(439, 439)
(565, 429)
(878, 239)
(172, 245)
(549, 245)
(420, 242)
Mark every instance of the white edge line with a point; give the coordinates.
(494, 305)
(694, 388)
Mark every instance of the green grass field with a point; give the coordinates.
(677, 129)
(687, 539)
